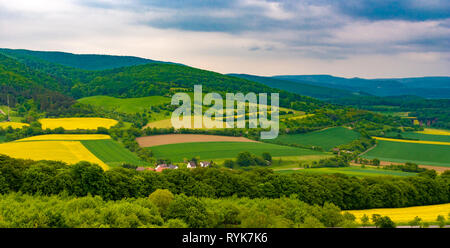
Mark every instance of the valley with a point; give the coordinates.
(99, 126)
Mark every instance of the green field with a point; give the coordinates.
(222, 150)
(2, 139)
(327, 138)
(427, 154)
(111, 152)
(125, 105)
(351, 171)
(428, 137)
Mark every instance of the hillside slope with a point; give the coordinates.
(301, 88)
(80, 61)
(428, 87)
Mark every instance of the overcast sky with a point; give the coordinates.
(350, 38)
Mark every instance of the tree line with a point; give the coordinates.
(50, 177)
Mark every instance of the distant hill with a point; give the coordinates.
(80, 61)
(427, 87)
(302, 88)
(142, 80)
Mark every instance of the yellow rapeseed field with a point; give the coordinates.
(434, 131)
(300, 117)
(67, 137)
(77, 123)
(404, 215)
(12, 124)
(70, 152)
(414, 141)
(167, 123)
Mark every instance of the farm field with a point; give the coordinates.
(300, 116)
(350, 171)
(70, 152)
(413, 141)
(404, 215)
(426, 154)
(77, 123)
(223, 150)
(63, 137)
(111, 152)
(72, 148)
(165, 139)
(12, 124)
(125, 105)
(167, 123)
(435, 131)
(427, 137)
(327, 138)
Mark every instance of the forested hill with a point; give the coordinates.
(20, 83)
(306, 89)
(80, 61)
(134, 81)
(427, 87)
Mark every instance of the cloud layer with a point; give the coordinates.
(384, 38)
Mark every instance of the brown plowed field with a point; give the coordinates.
(157, 140)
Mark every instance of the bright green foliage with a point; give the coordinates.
(53, 178)
(17, 210)
(161, 198)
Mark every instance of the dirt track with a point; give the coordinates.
(157, 140)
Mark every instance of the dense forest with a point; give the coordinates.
(82, 179)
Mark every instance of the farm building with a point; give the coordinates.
(202, 164)
(191, 164)
(162, 167)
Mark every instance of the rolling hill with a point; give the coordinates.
(427, 87)
(80, 61)
(306, 89)
(127, 81)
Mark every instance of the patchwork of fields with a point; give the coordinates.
(327, 138)
(404, 215)
(70, 152)
(72, 148)
(222, 150)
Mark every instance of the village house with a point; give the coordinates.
(205, 164)
(202, 164)
(162, 167)
(191, 164)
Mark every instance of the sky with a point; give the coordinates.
(349, 38)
